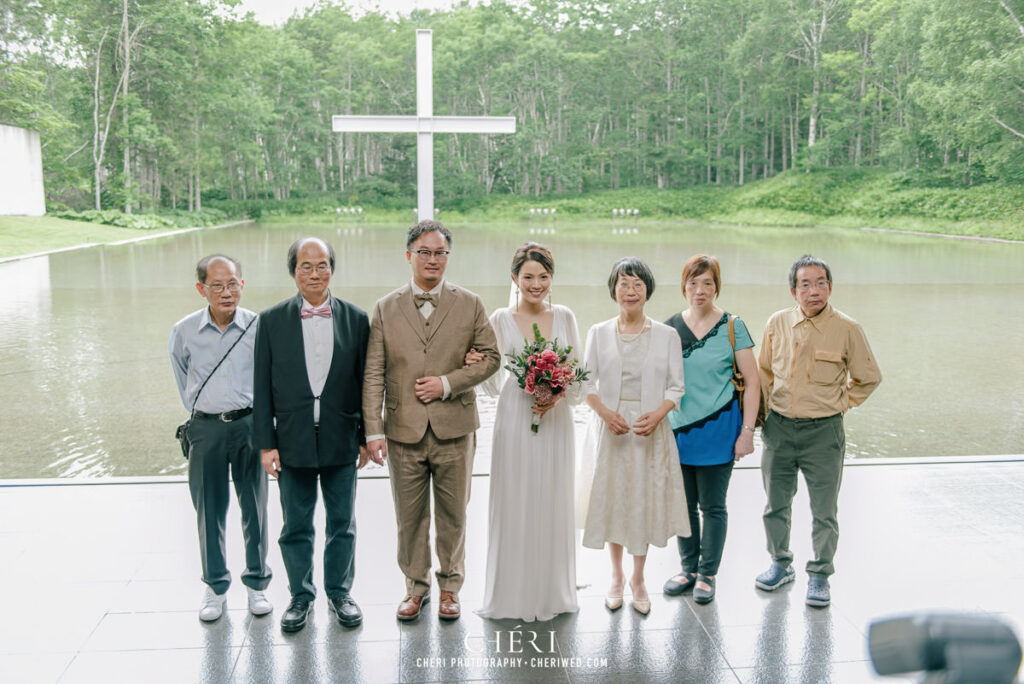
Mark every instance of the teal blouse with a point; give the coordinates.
(707, 369)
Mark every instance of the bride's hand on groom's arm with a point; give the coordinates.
(473, 357)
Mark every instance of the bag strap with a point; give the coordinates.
(233, 345)
(732, 340)
(737, 376)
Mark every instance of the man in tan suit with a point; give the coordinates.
(415, 368)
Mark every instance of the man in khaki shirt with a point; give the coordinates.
(815, 364)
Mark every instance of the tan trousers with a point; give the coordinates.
(449, 464)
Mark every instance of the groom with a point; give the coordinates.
(414, 368)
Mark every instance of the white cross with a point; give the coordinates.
(424, 124)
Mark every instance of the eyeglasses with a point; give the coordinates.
(817, 285)
(425, 254)
(321, 269)
(233, 287)
(631, 286)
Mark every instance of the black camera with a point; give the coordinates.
(950, 649)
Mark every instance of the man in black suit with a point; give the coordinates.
(309, 359)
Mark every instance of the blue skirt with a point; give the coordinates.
(711, 440)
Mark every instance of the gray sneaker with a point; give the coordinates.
(817, 592)
(774, 577)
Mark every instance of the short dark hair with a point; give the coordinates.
(807, 260)
(533, 251)
(204, 264)
(426, 226)
(293, 252)
(632, 266)
(700, 264)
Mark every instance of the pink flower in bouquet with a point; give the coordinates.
(543, 394)
(544, 369)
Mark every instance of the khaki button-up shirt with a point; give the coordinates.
(815, 367)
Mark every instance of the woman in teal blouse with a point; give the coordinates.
(712, 430)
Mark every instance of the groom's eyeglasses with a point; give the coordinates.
(425, 254)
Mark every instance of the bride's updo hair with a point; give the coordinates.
(532, 251)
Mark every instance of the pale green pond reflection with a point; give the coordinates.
(86, 386)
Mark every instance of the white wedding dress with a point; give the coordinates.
(531, 551)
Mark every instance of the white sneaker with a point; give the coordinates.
(212, 606)
(258, 603)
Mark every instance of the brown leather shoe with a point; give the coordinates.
(448, 607)
(409, 608)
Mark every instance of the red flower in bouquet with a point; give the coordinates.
(544, 369)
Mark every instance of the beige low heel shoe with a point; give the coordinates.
(642, 606)
(613, 602)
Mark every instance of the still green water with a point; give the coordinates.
(86, 388)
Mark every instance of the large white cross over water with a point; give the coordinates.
(424, 124)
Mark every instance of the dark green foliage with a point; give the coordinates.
(759, 105)
(172, 219)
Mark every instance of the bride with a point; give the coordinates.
(531, 558)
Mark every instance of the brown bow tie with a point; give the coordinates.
(422, 299)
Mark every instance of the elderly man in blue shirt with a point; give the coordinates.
(212, 356)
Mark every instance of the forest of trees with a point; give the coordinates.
(149, 104)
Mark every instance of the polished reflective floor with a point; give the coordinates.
(101, 585)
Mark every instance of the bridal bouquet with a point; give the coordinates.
(544, 370)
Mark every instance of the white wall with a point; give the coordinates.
(21, 173)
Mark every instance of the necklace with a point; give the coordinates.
(623, 331)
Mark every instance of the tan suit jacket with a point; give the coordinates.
(404, 347)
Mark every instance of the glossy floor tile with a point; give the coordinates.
(103, 580)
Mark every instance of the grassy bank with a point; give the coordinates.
(852, 198)
(30, 234)
(21, 235)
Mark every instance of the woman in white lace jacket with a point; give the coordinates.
(631, 490)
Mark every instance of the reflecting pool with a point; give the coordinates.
(86, 386)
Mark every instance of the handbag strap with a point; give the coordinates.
(233, 345)
(737, 376)
(732, 341)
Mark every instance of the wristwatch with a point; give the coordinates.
(747, 427)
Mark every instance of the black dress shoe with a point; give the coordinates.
(346, 609)
(294, 617)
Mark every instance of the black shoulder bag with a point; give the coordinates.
(181, 432)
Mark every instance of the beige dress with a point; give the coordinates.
(637, 496)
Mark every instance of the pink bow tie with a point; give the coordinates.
(323, 312)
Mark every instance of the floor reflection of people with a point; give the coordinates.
(817, 664)
(771, 648)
